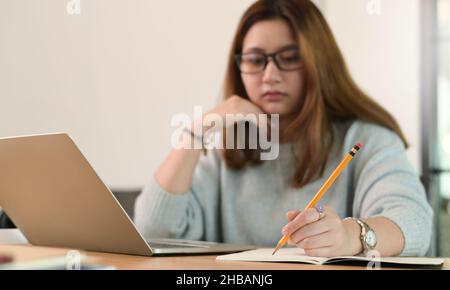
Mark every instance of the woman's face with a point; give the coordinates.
(275, 91)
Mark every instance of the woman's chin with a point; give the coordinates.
(276, 108)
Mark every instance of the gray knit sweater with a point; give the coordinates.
(249, 206)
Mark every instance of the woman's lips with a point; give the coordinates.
(273, 96)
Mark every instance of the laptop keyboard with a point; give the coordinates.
(164, 244)
(170, 246)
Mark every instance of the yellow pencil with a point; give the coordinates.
(348, 157)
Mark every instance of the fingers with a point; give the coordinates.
(309, 230)
(305, 217)
(316, 242)
(290, 215)
(318, 237)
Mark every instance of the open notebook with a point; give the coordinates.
(292, 255)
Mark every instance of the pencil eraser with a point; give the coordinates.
(360, 145)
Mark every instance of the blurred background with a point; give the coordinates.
(112, 73)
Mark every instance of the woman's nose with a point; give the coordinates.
(271, 73)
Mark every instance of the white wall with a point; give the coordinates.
(383, 54)
(114, 75)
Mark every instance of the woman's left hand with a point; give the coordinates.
(321, 235)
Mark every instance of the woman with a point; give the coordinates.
(284, 60)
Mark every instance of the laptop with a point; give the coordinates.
(54, 196)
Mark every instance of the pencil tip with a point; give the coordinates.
(276, 250)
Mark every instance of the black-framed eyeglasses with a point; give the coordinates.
(288, 59)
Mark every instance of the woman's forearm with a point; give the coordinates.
(175, 174)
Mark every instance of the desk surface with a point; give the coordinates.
(24, 253)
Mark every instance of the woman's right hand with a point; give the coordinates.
(234, 105)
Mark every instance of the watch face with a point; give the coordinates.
(371, 239)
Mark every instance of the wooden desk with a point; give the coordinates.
(24, 253)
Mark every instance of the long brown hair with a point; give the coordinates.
(330, 93)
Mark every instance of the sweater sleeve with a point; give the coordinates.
(160, 214)
(387, 186)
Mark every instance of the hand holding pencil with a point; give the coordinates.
(318, 230)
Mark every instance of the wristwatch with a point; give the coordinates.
(367, 236)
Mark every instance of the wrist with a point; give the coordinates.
(353, 231)
(207, 121)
